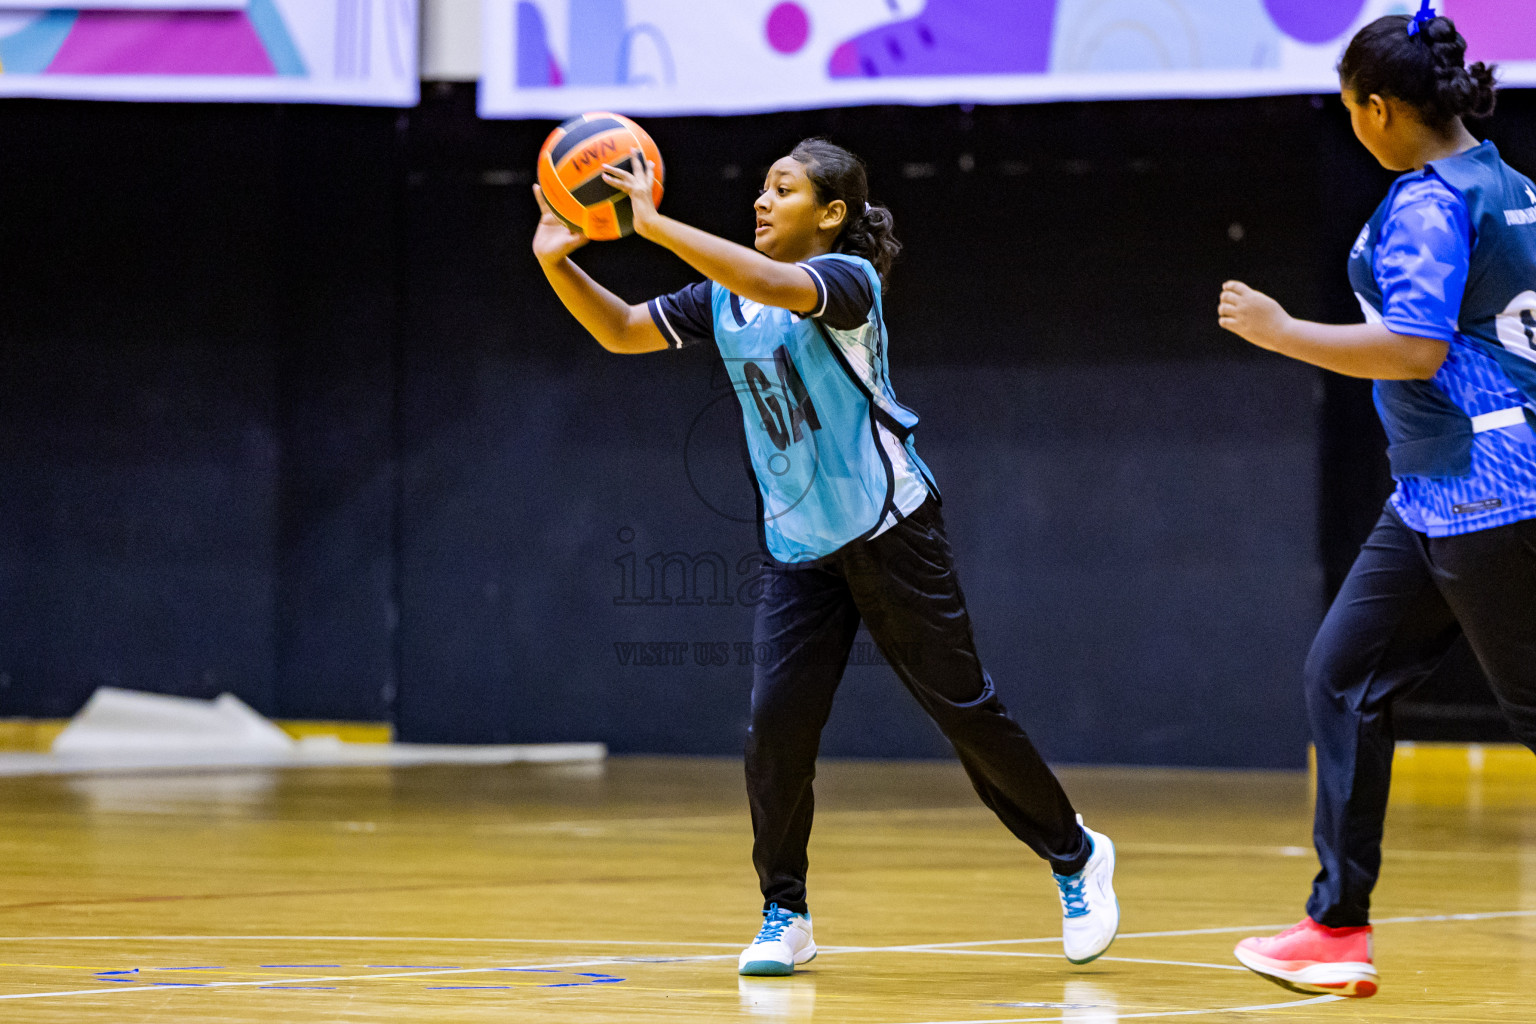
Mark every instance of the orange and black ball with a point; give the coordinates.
(571, 172)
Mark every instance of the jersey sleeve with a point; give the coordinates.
(1422, 260)
(844, 295)
(685, 317)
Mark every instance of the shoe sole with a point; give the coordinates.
(1114, 934)
(1354, 980)
(772, 968)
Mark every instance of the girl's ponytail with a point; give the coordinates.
(1460, 91)
(871, 234)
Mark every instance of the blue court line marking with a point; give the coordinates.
(553, 968)
(596, 977)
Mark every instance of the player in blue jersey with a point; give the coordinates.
(849, 520)
(1445, 272)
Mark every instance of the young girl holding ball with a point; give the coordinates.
(849, 519)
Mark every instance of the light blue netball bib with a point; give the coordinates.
(831, 448)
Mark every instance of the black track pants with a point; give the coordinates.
(902, 585)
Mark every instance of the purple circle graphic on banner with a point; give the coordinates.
(1308, 21)
(788, 28)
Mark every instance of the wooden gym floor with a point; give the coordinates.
(623, 892)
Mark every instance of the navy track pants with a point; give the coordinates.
(1407, 598)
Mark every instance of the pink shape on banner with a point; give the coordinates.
(162, 43)
(788, 28)
(1312, 21)
(845, 61)
(1494, 29)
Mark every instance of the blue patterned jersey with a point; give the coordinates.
(831, 446)
(1451, 254)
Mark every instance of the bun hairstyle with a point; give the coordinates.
(1425, 68)
(867, 227)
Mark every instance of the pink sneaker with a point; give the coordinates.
(1309, 957)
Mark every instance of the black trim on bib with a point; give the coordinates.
(877, 415)
(885, 419)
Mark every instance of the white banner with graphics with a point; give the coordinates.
(551, 58)
(323, 51)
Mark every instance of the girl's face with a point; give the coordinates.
(791, 224)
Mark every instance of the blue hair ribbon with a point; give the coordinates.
(1425, 16)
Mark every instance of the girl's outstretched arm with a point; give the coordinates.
(1356, 350)
(617, 325)
(743, 271)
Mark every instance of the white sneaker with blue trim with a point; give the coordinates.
(783, 941)
(1090, 914)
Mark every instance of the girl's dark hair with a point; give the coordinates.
(1426, 70)
(838, 174)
